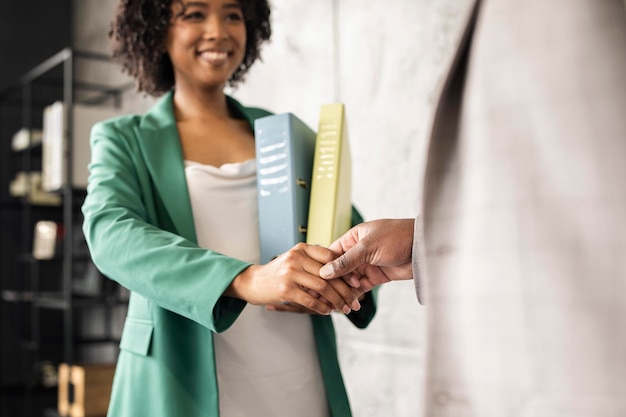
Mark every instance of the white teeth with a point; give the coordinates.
(212, 55)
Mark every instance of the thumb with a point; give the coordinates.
(345, 263)
(329, 270)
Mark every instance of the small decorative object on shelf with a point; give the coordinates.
(47, 239)
(28, 186)
(55, 144)
(23, 139)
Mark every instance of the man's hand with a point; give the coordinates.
(373, 253)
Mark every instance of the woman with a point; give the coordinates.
(171, 215)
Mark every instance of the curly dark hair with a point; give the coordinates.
(138, 33)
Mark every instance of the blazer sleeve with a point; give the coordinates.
(120, 219)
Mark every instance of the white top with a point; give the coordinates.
(267, 362)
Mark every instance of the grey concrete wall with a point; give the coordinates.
(384, 60)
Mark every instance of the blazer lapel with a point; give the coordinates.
(158, 138)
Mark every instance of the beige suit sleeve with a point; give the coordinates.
(418, 259)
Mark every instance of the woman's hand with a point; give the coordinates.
(339, 285)
(293, 278)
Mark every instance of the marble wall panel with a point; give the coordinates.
(297, 71)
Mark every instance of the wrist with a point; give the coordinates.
(238, 286)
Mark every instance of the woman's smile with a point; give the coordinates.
(217, 58)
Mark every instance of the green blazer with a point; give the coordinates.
(139, 227)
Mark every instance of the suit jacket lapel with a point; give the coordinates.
(443, 130)
(158, 138)
(454, 75)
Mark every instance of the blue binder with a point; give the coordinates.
(285, 147)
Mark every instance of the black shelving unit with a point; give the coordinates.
(38, 297)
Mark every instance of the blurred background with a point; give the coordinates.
(384, 60)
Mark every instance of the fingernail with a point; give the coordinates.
(356, 306)
(346, 309)
(325, 271)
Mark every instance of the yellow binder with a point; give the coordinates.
(330, 207)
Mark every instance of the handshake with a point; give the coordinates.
(317, 280)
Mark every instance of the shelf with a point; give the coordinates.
(41, 299)
(56, 300)
(18, 388)
(52, 301)
(19, 203)
(28, 258)
(37, 147)
(32, 346)
(11, 296)
(78, 195)
(41, 74)
(98, 340)
(43, 296)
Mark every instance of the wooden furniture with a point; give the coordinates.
(84, 390)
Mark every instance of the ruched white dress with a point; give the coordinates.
(267, 363)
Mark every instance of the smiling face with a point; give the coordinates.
(206, 42)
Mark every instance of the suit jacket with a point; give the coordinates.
(519, 252)
(140, 231)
